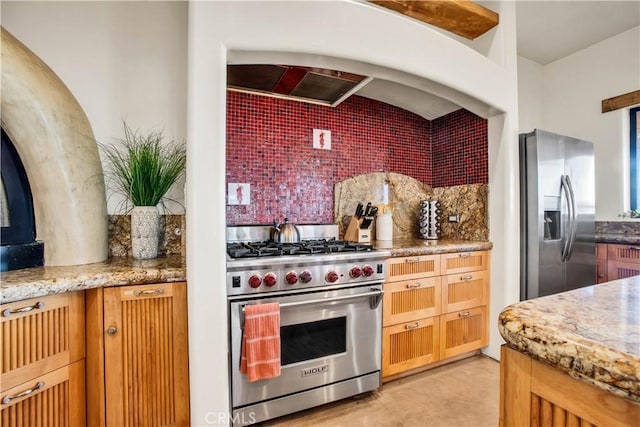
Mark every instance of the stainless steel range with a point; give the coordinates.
(330, 296)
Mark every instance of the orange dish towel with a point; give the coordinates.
(261, 341)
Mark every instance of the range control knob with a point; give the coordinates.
(305, 276)
(291, 278)
(355, 272)
(270, 279)
(367, 270)
(331, 277)
(255, 280)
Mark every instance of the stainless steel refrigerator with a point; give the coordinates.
(557, 214)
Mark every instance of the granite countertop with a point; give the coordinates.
(592, 333)
(623, 239)
(40, 281)
(412, 247)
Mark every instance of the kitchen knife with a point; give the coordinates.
(367, 210)
(359, 209)
(374, 211)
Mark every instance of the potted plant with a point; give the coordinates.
(142, 167)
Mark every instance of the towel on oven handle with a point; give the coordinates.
(261, 341)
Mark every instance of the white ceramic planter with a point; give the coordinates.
(145, 222)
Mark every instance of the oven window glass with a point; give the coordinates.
(308, 341)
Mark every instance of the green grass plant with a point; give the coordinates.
(143, 167)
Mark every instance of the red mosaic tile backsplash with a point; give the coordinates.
(269, 145)
(459, 149)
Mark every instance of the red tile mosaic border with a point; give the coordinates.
(269, 145)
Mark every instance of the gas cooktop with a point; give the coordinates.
(304, 247)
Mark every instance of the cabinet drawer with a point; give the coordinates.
(410, 300)
(626, 253)
(56, 399)
(465, 290)
(461, 262)
(413, 267)
(620, 270)
(40, 335)
(409, 345)
(463, 331)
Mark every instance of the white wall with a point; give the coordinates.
(121, 60)
(572, 89)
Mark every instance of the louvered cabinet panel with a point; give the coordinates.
(409, 345)
(39, 335)
(55, 399)
(620, 270)
(146, 358)
(465, 290)
(463, 331)
(415, 267)
(461, 262)
(411, 299)
(625, 253)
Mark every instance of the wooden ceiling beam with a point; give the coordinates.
(621, 101)
(462, 17)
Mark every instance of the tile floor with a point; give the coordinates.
(461, 394)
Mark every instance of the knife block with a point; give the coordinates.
(356, 234)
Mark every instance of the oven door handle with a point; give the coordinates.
(375, 294)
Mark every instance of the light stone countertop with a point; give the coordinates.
(413, 247)
(592, 333)
(41, 281)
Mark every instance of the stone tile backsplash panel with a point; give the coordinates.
(469, 202)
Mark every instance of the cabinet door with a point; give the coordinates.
(462, 262)
(624, 253)
(620, 270)
(463, 331)
(409, 345)
(411, 299)
(39, 335)
(53, 399)
(601, 262)
(465, 290)
(413, 267)
(146, 357)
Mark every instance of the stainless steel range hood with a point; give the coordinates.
(305, 84)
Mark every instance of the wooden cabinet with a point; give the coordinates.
(601, 262)
(139, 352)
(435, 307)
(616, 261)
(43, 367)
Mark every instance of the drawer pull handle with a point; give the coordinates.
(466, 278)
(413, 286)
(414, 326)
(9, 312)
(412, 260)
(465, 255)
(148, 292)
(464, 314)
(634, 248)
(112, 330)
(8, 399)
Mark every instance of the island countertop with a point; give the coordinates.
(41, 281)
(592, 333)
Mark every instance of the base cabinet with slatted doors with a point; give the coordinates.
(43, 367)
(429, 316)
(143, 353)
(537, 395)
(622, 261)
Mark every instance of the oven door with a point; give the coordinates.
(326, 337)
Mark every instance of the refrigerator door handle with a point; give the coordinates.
(564, 188)
(573, 227)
